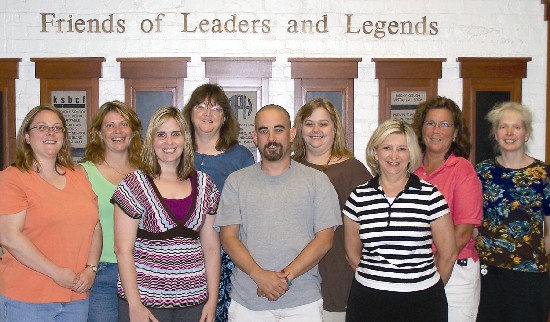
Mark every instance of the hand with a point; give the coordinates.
(65, 278)
(270, 284)
(140, 313)
(209, 311)
(85, 281)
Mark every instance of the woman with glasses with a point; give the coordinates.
(514, 239)
(445, 143)
(113, 150)
(215, 130)
(167, 249)
(49, 226)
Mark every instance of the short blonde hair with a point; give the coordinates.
(149, 161)
(498, 111)
(382, 132)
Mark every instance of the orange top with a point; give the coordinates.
(60, 223)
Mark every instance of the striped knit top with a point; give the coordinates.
(167, 253)
(397, 240)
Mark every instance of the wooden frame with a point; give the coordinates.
(72, 75)
(153, 74)
(9, 72)
(241, 75)
(489, 74)
(405, 75)
(327, 75)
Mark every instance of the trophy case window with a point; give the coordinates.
(147, 102)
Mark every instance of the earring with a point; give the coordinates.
(454, 139)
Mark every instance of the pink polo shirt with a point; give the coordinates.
(457, 180)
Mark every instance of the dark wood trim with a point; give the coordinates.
(84, 67)
(153, 74)
(547, 19)
(405, 74)
(489, 74)
(327, 74)
(9, 72)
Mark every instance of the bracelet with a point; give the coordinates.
(289, 283)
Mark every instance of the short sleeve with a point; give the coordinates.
(327, 207)
(438, 206)
(125, 197)
(14, 199)
(350, 209)
(229, 210)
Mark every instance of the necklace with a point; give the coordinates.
(323, 166)
(110, 166)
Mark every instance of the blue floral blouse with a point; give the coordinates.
(515, 202)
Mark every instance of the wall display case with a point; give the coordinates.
(72, 85)
(404, 83)
(486, 82)
(245, 80)
(9, 72)
(153, 82)
(330, 78)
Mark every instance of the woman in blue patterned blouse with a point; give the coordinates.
(512, 242)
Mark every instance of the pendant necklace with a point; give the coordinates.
(110, 166)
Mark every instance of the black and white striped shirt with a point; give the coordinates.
(397, 239)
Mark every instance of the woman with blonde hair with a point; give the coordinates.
(389, 224)
(514, 238)
(167, 250)
(49, 226)
(320, 144)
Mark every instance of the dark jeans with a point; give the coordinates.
(508, 295)
(370, 305)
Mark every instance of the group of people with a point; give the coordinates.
(185, 226)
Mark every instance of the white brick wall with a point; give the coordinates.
(494, 28)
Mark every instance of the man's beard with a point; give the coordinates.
(272, 155)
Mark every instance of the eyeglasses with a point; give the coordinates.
(46, 129)
(202, 108)
(442, 124)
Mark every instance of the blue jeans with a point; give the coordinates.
(103, 296)
(14, 311)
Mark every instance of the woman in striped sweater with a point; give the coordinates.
(389, 225)
(167, 250)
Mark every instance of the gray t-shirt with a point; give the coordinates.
(278, 217)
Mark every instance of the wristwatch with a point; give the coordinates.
(93, 267)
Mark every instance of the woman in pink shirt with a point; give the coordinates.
(445, 142)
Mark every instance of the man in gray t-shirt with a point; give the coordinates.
(276, 221)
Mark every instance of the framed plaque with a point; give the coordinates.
(245, 81)
(72, 85)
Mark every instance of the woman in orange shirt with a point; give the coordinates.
(49, 226)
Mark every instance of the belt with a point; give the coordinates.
(462, 262)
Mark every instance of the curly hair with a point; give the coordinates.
(215, 95)
(339, 148)
(95, 148)
(460, 146)
(149, 164)
(25, 159)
